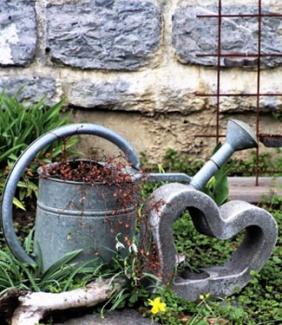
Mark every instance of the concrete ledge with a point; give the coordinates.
(244, 188)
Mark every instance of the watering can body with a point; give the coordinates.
(72, 215)
(76, 215)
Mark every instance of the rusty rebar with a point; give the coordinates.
(258, 89)
(219, 54)
(218, 69)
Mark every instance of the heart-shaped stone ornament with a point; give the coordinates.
(168, 203)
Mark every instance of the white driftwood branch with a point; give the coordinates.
(35, 305)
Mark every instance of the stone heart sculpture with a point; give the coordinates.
(167, 204)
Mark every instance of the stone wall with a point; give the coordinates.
(132, 65)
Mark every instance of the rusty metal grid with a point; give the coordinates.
(258, 94)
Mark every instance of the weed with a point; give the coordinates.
(20, 125)
(174, 161)
(63, 275)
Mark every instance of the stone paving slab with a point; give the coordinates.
(128, 317)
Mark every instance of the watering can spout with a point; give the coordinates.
(239, 137)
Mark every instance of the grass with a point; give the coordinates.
(258, 303)
(20, 125)
(63, 275)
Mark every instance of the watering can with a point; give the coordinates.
(75, 215)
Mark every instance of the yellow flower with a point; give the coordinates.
(157, 306)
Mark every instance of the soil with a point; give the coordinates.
(24, 220)
(88, 172)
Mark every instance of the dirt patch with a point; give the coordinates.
(88, 171)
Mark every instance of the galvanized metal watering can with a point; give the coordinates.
(77, 215)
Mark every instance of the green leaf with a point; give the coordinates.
(53, 269)
(217, 187)
(19, 204)
(9, 151)
(28, 242)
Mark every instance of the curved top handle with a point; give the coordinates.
(28, 155)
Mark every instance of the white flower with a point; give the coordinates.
(119, 245)
(133, 248)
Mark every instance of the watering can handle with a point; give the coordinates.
(28, 155)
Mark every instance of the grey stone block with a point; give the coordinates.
(221, 222)
(31, 89)
(129, 317)
(193, 35)
(17, 32)
(104, 34)
(116, 94)
(89, 94)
